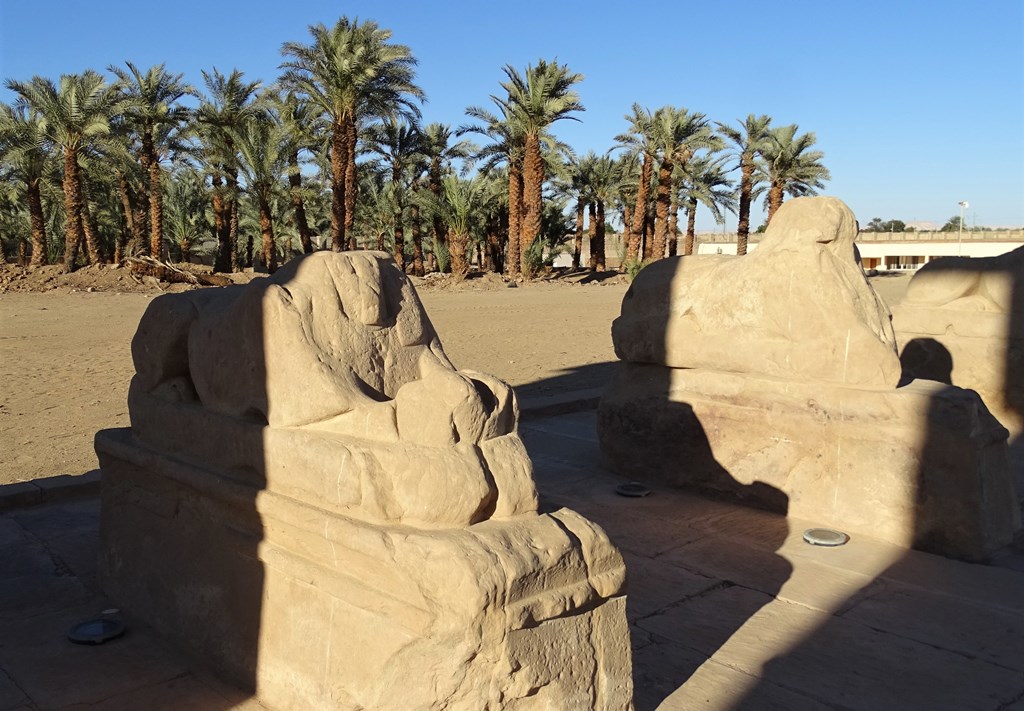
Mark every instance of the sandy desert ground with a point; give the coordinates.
(65, 359)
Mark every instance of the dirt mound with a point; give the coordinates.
(102, 277)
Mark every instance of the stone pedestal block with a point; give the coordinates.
(313, 610)
(924, 465)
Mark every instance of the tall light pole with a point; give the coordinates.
(959, 239)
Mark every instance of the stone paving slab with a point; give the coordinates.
(728, 608)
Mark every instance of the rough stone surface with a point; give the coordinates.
(798, 307)
(773, 378)
(962, 322)
(313, 499)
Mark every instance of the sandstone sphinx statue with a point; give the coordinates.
(315, 501)
(778, 372)
(963, 320)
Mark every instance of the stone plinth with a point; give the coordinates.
(312, 499)
(922, 466)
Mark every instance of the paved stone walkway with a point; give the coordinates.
(729, 608)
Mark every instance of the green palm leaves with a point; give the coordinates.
(350, 72)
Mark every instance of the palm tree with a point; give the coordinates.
(459, 208)
(23, 149)
(748, 143)
(577, 187)
(350, 72)
(229, 105)
(439, 151)
(639, 140)
(263, 150)
(536, 100)
(791, 167)
(186, 205)
(676, 135)
(600, 178)
(399, 145)
(150, 106)
(74, 115)
(299, 123)
(704, 182)
(508, 148)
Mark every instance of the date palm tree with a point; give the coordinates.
(602, 177)
(705, 182)
(263, 151)
(230, 103)
(186, 206)
(638, 140)
(298, 120)
(676, 135)
(508, 147)
(350, 72)
(399, 145)
(747, 143)
(23, 150)
(460, 209)
(150, 106)
(439, 150)
(536, 99)
(791, 167)
(74, 114)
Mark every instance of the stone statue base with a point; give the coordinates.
(924, 465)
(314, 610)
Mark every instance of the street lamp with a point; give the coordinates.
(963, 204)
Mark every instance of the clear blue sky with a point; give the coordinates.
(917, 105)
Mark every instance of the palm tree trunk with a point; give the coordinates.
(648, 233)
(268, 251)
(533, 181)
(92, 242)
(592, 234)
(124, 191)
(627, 226)
(156, 210)
(38, 222)
(599, 263)
(435, 190)
(298, 205)
(350, 181)
(339, 156)
(417, 240)
(231, 179)
(775, 197)
(515, 217)
(661, 201)
(640, 211)
(746, 186)
(577, 247)
(399, 237)
(457, 251)
(673, 224)
(691, 222)
(220, 224)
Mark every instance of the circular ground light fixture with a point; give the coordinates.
(633, 489)
(96, 631)
(828, 537)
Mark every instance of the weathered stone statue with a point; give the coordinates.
(315, 500)
(972, 310)
(773, 377)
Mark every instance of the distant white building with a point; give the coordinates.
(900, 251)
